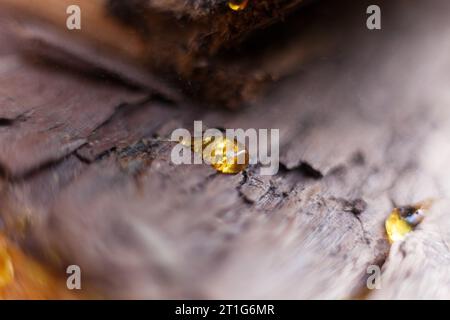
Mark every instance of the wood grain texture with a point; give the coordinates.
(363, 129)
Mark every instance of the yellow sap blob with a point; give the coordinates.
(6, 266)
(237, 5)
(396, 227)
(225, 155)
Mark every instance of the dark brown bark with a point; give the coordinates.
(179, 41)
(363, 129)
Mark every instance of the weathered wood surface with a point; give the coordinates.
(87, 177)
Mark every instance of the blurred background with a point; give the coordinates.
(85, 171)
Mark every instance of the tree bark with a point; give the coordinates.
(364, 128)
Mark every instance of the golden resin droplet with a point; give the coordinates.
(237, 5)
(6, 266)
(403, 220)
(225, 155)
(196, 144)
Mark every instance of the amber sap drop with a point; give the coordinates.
(403, 220)
(6, 266)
